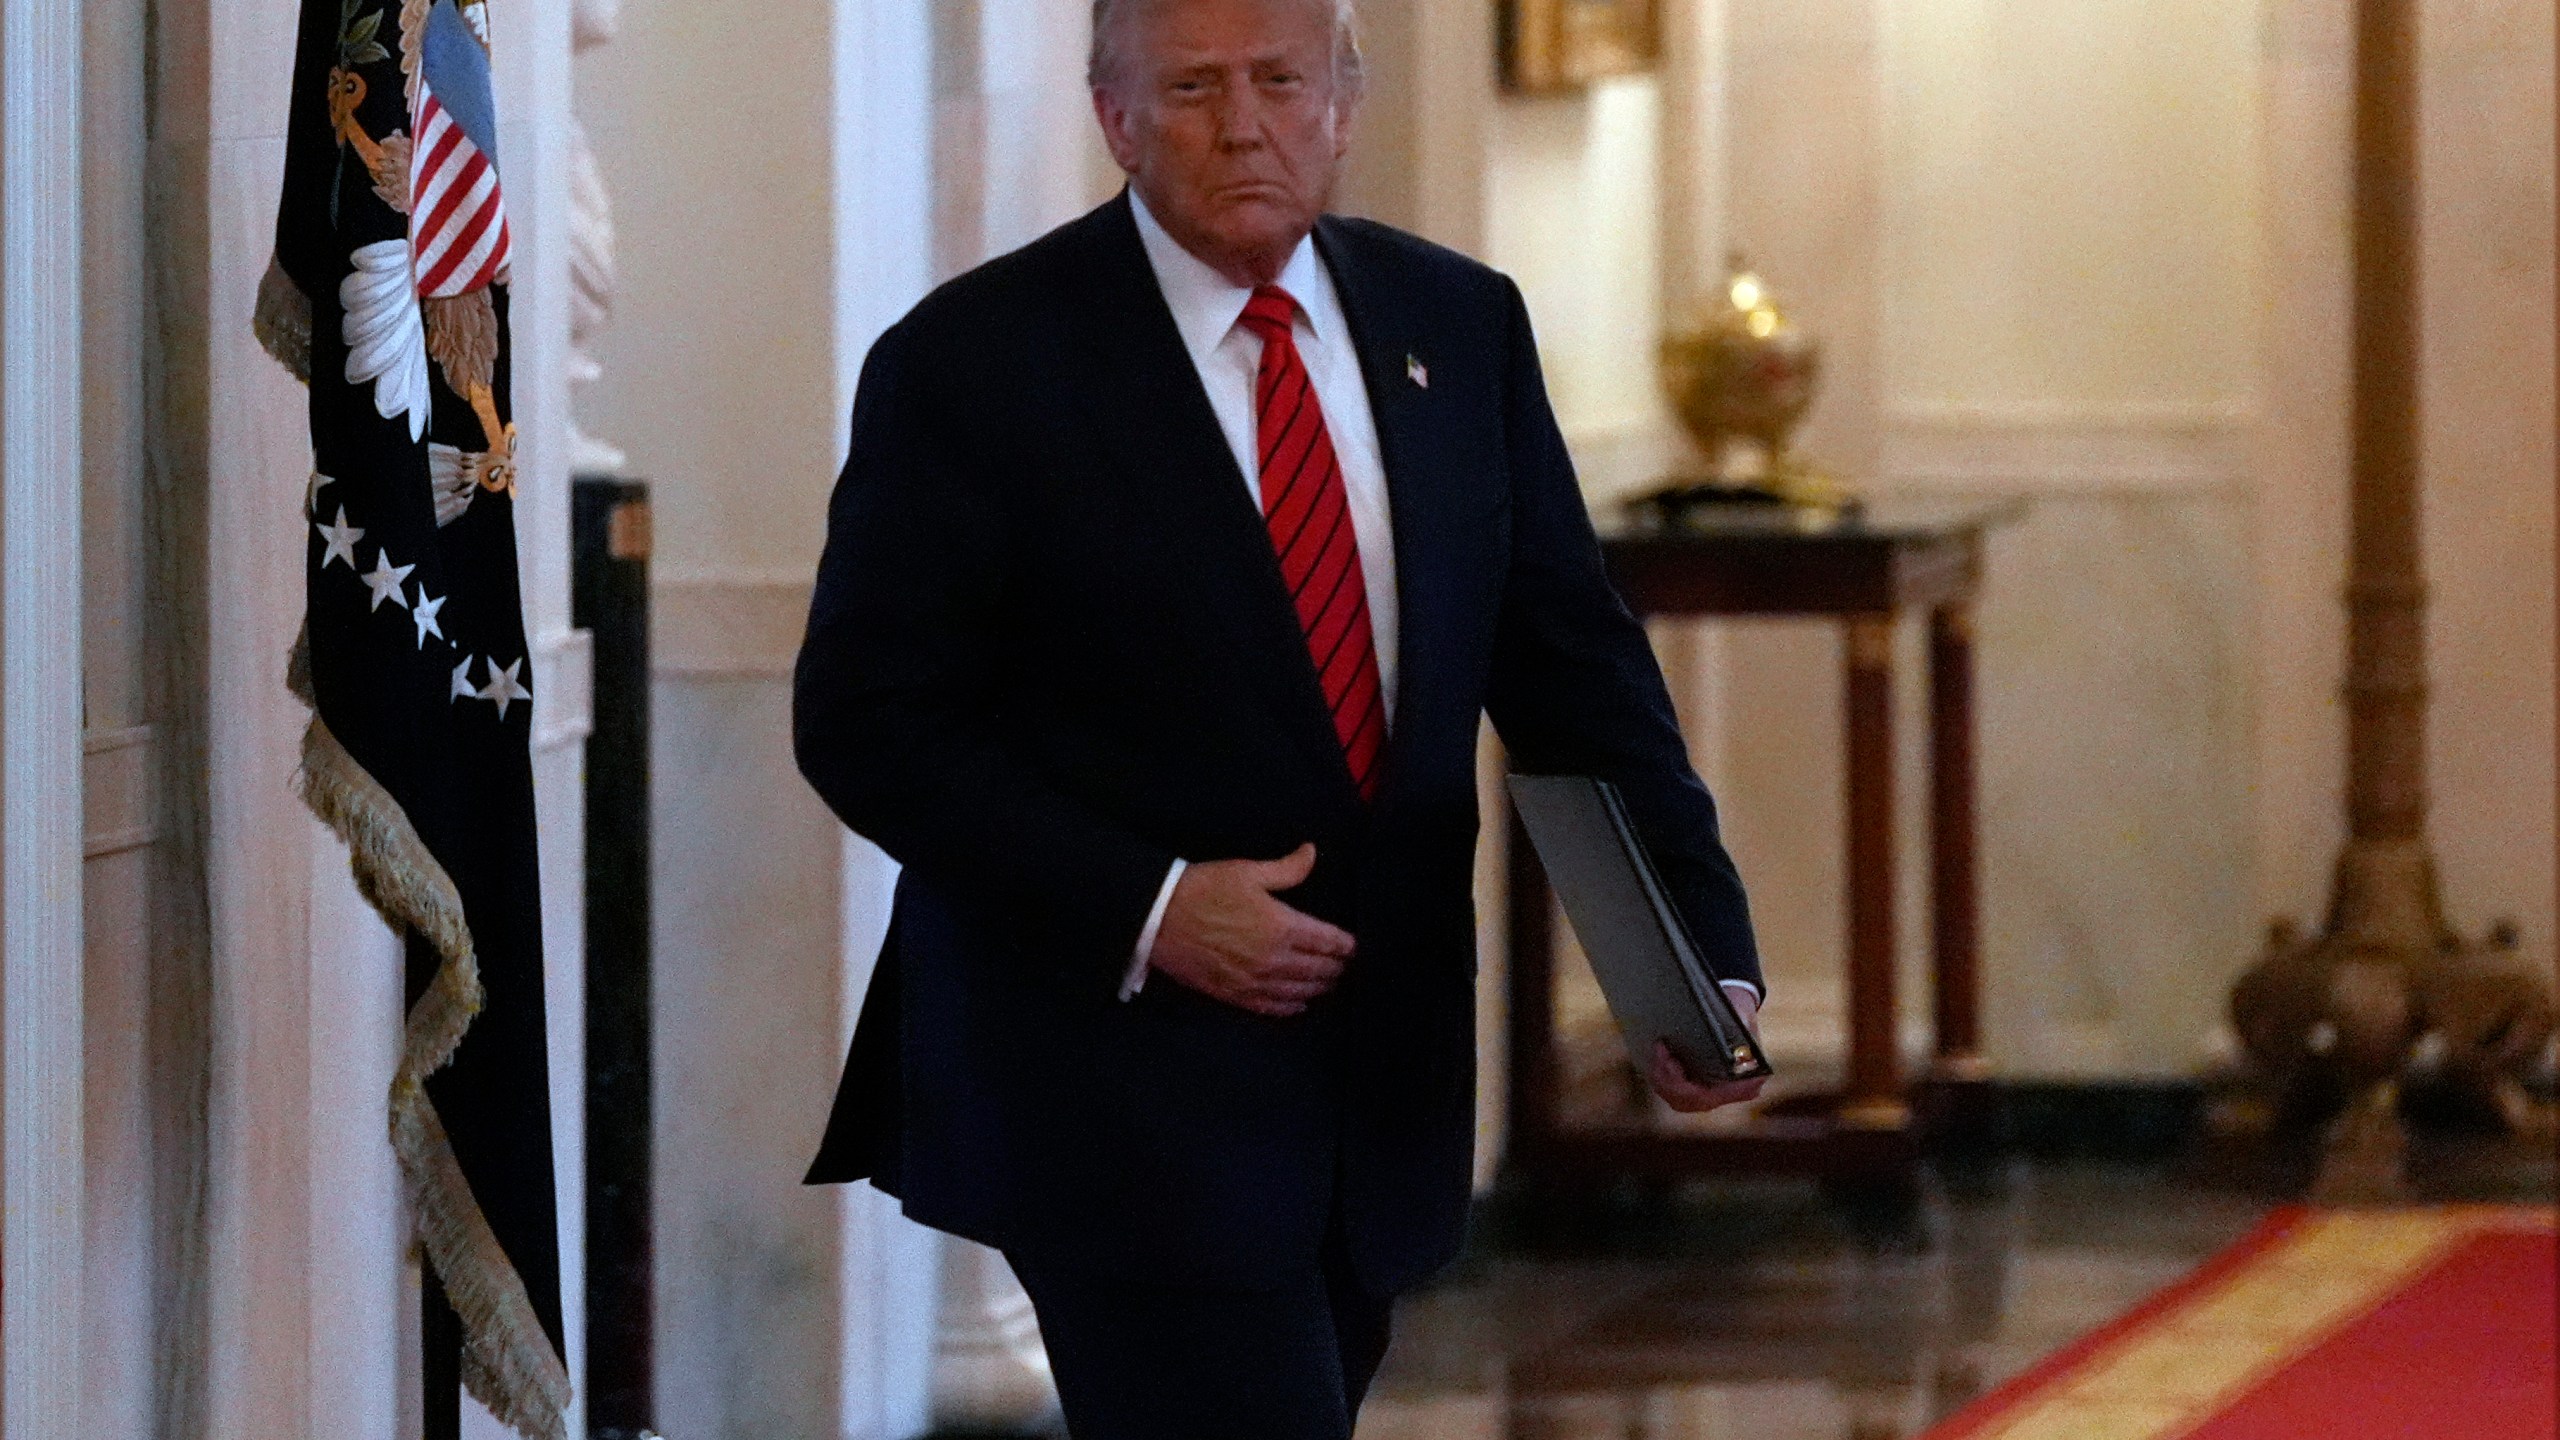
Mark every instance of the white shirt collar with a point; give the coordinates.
(1205, 304)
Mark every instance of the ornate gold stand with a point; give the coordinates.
(2388, 989)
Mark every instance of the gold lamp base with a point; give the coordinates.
(2388, 997)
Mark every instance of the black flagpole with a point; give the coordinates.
(609, 530)
(440, 1360)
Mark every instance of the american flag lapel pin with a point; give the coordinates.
(1416, 371)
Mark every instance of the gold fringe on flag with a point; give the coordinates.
(508, 1364)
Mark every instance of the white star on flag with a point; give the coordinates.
(424, 612)
(503, 689)
(463, 689)
(385, 580)
(341, 539)
(311, 494)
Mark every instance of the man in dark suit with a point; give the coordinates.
(1175, 560)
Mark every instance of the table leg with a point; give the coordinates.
(1874, 1096)
(1953, 837)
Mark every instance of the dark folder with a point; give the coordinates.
(1658, 986)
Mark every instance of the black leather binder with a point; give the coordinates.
(1658, 986)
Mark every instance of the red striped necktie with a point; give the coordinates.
(1309, 515)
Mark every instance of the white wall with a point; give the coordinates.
(720, 365)
(1573, 214)
(2488, 256)
(2069, 304)
(2071, 203)
(773, 215)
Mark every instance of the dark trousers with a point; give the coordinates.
(1159, 1362)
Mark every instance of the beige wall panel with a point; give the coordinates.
(1803, 137)
(2114, 753)
(2073, 212)
(257, 459)
(122, 1226)
(1423, 156)
(747, 1260)
(117, 1351)
(2298, 459)
(720, 366)
(2488, 257)
(1572, 215)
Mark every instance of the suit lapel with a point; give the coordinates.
(1146, 399)
(1424, 490)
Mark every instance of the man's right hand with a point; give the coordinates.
(1225, 936)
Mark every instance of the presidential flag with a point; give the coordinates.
(388, 296)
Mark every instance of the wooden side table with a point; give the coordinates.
(1869, 573)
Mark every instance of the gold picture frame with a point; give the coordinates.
(1554, 46)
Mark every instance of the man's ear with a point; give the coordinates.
(1119, 128)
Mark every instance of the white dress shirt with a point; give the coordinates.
(1206, 308)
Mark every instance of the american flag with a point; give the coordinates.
(389, 297)
(457, 220)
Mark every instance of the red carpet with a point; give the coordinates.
(2346, 1325)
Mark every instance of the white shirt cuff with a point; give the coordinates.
(1136, 979)
(1745, 986)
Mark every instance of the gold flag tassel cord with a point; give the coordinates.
(507, 1360)
(282, 321)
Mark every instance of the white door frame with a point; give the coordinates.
(40, 811)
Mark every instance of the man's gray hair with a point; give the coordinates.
(1102, 64)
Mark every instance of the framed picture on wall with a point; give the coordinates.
(1550, 46)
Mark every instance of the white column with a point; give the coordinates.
(888, 1287)
(363, 1288)
(221, 72)
(1693, 153)
(530, 46)
(882, 152)
(40, 920)
(1016, 151)
(1422, 140)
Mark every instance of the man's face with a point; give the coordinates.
(1227, 117)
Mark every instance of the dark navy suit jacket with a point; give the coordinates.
(1050, 651)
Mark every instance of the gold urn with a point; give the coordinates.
(1745, 372)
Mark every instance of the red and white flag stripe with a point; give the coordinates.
(457, 222)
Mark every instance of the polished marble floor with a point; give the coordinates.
(1763, 1311)
(1766, 1310)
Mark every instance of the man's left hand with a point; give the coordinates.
(1671, 1079)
